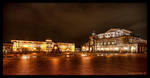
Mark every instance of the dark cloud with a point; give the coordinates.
(71, 22)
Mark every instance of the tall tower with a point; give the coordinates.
(92, 41)
(49, 44)
(93, 33)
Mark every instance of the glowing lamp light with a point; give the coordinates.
(25, 45)
(67, 55)
(116, 48)
(25, 57)
(84, 55)
(102, 48)
(125, 48)
(83, 47)
(55, 47)
(133, 48)
(87, 49)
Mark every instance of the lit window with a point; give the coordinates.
(116, 48)
(104, 43)
(108, 42)
(125, 48)
(107, 35)
(112, 43)
(117, 34)
(113, 34)
(100, 35)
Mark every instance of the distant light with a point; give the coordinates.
(83, 55)
(34, 56)
(67, 55)
(87, 49)
(102, 48)
(25, 57)
(55, 47)
(133, 48)
(125, 48)
(83, 47)
(116, 54)
(25, 45)
(116, 48)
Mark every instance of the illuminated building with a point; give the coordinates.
(115, 40)
(66, 47)
(45, 46)
(22, 45)
(7, 47)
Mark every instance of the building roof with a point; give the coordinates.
(116, 29)
(113, 30)
(27, 41)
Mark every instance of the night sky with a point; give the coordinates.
(71, 22)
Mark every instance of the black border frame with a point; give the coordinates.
(75, 1)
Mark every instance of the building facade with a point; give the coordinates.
(65, 47)
(22, 45)
(7, 48)
(45, 46)
(115, 40)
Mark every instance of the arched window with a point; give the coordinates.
(113, 34)
(107, 35)
(108, 43)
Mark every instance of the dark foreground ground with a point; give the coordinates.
(113, 64)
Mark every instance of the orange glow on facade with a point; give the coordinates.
(66, 47)
(115, 40)
(55, 48)
(22, 45)
(47, 46)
